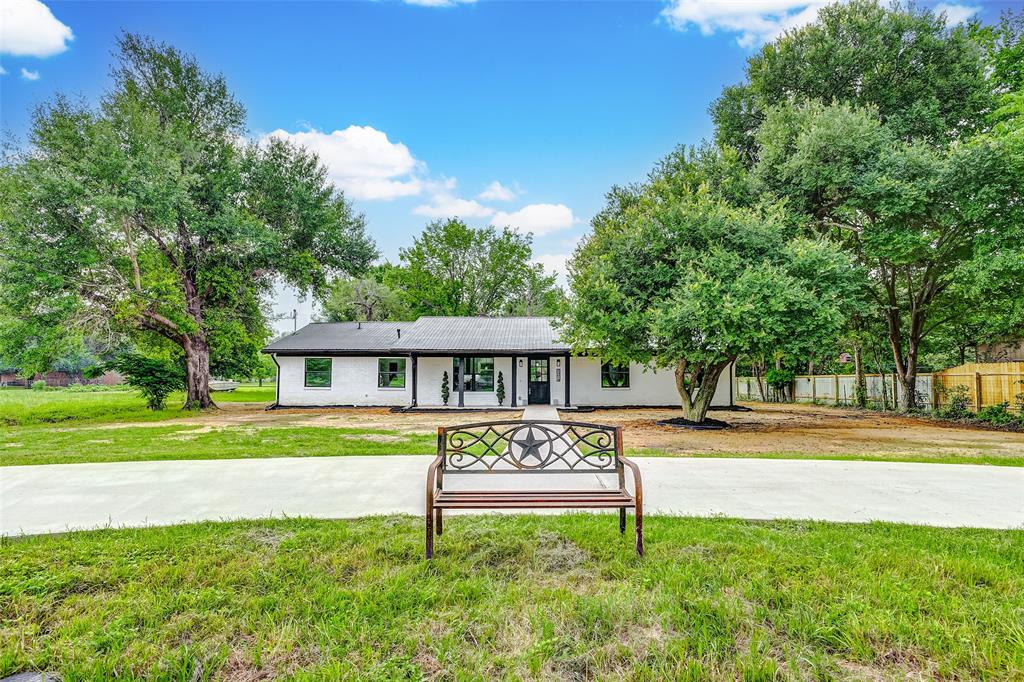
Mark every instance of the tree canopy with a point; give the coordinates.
(455, 269)
(925, 80)
(365, 298)
(677, 277)
(151, 216)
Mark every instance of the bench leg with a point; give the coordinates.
(622, 520)
(430, 532)
(640, 531)
(438, 522)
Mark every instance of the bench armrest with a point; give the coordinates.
(432, 476)
(638, 484)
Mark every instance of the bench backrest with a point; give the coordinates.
(554, 447)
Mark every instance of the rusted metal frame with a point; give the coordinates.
(638, 494)
(437, 499)
(431, 478)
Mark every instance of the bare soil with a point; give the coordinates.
(809, 430)
(254, 414)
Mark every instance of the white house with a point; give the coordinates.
(403, 363)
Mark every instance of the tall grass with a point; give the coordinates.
(516, 598)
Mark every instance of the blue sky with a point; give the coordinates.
(419, 108)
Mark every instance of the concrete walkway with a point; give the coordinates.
(59, 497)
(540, 412)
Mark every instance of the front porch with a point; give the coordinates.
(475, 380)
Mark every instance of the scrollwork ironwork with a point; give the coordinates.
(555, 446)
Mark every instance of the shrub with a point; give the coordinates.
(499, 390)
(445, 392)
(999, 415)
(38, 385)
(959, 402)
(779, 380)
(155, 378)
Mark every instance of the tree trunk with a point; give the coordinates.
(197, 374)
(860, 384)
(758, 371)
(698, 391)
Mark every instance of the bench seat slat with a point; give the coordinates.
(538, 504)
(523, 499)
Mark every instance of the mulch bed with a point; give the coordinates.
(706, 425)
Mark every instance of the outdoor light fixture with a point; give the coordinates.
(558, 363)
(520, 362)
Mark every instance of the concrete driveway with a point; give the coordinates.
(60, 497)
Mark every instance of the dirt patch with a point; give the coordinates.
(376, 438)
(771, 428)
(267, 537)
(557, 554)
(254, 414)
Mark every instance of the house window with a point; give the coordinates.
(614, 375)
(318, 372)
(478, 374)
(391, 373)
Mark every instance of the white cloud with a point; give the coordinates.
(438, 3)
(3, 71)
(362, 161)
(557, 264)
(956, 14)
(29, 29)
(539, 219)
(756, 21)
(446, 205)
(29, 75)
(498, 192)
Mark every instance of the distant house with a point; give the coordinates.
(9, 377)
(403, 364)
(1002, 351)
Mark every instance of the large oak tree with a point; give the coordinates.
(152, 215)
(677, 277)
(874, 123)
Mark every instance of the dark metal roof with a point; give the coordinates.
(467, 334)
(322, 337)
(427, 335)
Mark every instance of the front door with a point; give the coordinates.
(539, 388)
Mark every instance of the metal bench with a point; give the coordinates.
(531, 447)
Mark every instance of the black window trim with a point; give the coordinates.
(401, 373)
(606, 370)
(306, 371)
(471, 376)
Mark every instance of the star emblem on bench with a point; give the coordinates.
(530, 446)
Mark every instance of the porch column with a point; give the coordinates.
(514, 381)
(567, 381)
(415, 371)
(462, 384)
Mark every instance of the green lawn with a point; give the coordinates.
(49, 445)
(516, 597)
(19, 406)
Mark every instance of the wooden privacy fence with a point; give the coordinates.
(985, 384)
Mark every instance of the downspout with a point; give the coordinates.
(277, 384)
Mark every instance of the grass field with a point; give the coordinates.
(516, 597)
(46, 445)
(45, 427)
(20, 407)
